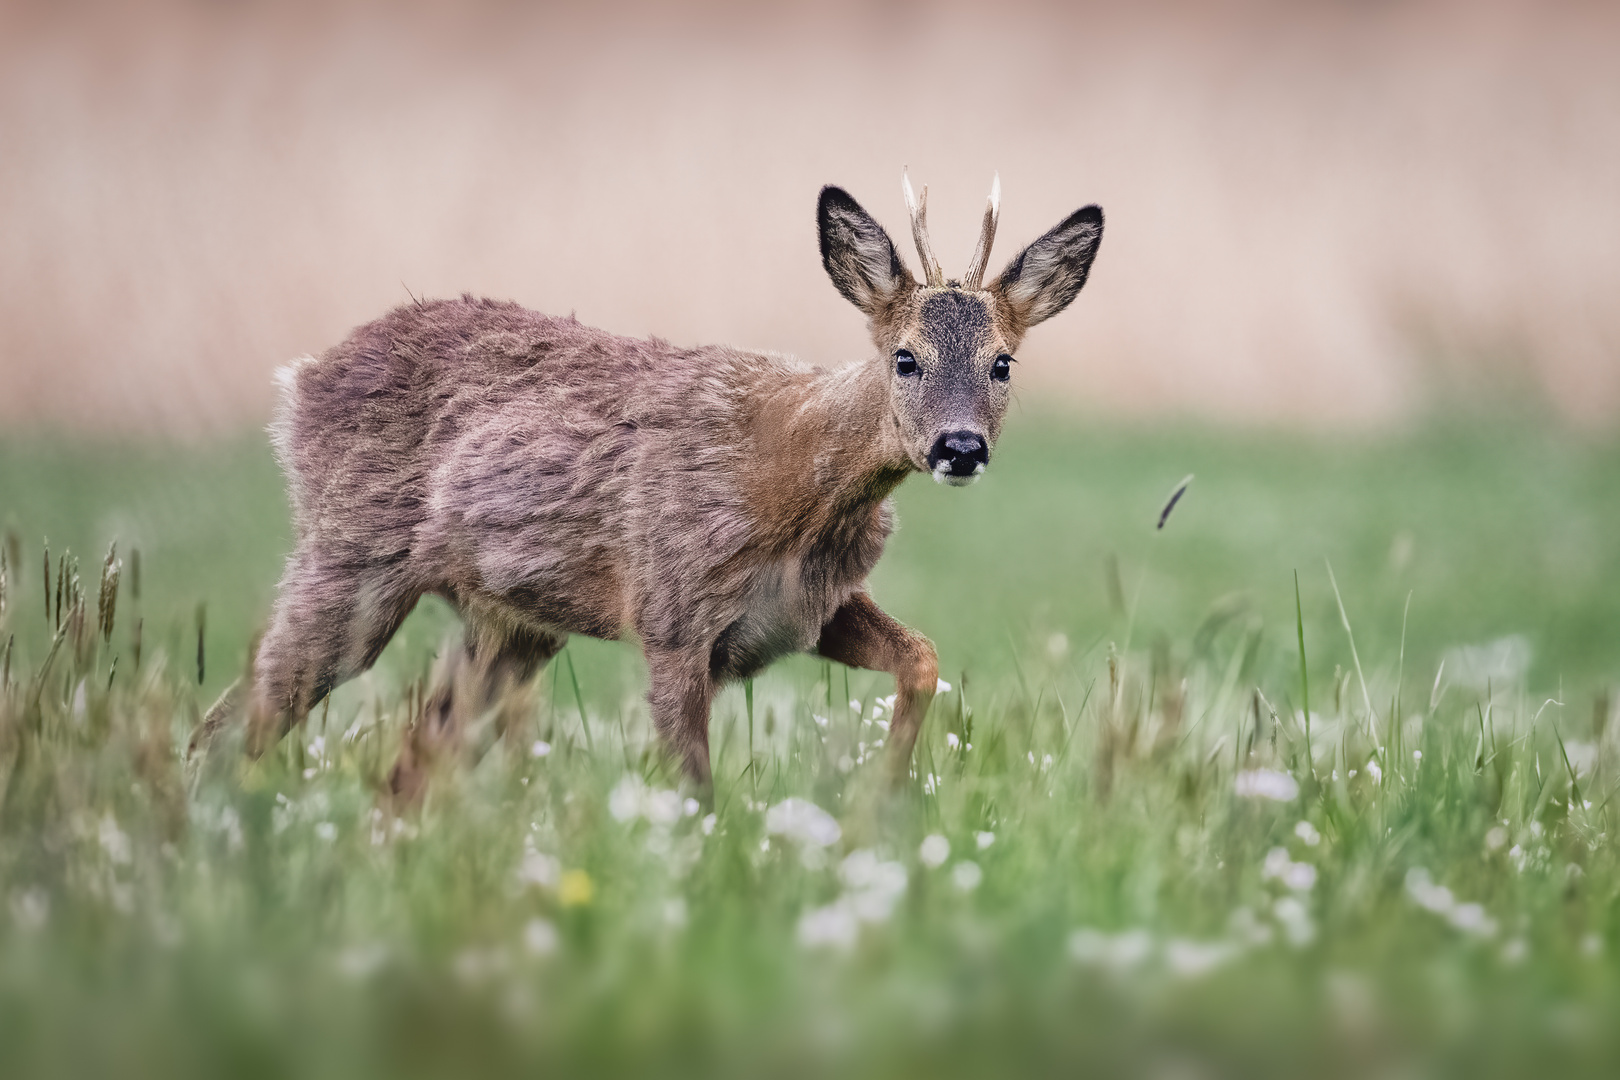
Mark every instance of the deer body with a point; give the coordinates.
(724, 507)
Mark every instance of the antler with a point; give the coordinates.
(974, 278)
(932, 275)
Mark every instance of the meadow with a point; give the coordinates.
(1314, 780)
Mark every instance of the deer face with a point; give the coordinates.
(948, 346)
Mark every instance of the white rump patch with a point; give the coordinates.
(286, 380)
(286, 376)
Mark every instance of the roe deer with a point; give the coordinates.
(548, 479)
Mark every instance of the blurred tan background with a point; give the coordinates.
(1334, 214)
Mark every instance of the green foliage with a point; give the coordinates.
(1120, 853)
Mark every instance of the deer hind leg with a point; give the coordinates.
(681, 693)
(863, 635)
(496, 658)
(330, 623)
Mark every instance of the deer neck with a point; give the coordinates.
(861, 460)
(829, 450)
(864, 442)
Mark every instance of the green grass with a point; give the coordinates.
(270, 918)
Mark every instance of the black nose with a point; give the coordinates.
(959, 453)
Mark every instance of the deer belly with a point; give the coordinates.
(779, 618)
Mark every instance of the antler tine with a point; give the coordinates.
(974, 278)
(932, 274)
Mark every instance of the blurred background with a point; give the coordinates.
(1360, 276)
(1342, 214)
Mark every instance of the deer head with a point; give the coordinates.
(949, 345)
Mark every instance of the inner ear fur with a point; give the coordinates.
(859, 256)
(1045, 277)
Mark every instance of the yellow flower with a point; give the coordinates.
(575, 888)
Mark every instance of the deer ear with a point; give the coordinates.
(1045, 277)
(859, 256)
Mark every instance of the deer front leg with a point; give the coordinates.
(680, 696)
(863, 635)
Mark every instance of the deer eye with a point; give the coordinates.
(1001, 370)
(905, 363)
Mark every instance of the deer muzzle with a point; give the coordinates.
(958, 458)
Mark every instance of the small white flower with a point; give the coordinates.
(690, 807)
(1046, 761)
(803, 821)
(1249, 930)
(966, 876)
(1296, 921)
(1116, 952)
(1496, 838)
(951, 740)
(1417, 755)
(942, 687)
(1426, 894)
(984, 839)
(1374, 771)
(631, 798)
(309, 773)
(1307, 832)
(1193, 959)
(540, 869)
(1266, 784)
(708, 824)
(873, 885)
(539, 748)
(833, 926)
(114, 841)
(317, 747)
(821, 721)
(31, 908)
(1472, 919)
(539, 937)
(1297, 876)
(845, 764)
(326, 831)
(1057, 646)
(855, 704)
(361, 961)
(230, 823)
(624, 801)
(675, 913)
(662, 807)
(934, 850)
(476, 965)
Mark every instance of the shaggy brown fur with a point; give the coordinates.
(548, 479)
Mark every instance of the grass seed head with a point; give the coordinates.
(1175, 497)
